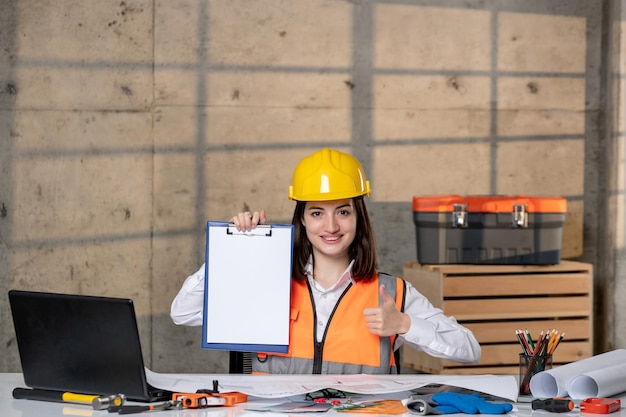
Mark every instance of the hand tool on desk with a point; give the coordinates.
(108, 402)
(553, 405)
(182, 400)
(231, 398)
(98, 402)
(600, 405)
(167, 405)
(200, 400)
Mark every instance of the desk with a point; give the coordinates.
(10, 407)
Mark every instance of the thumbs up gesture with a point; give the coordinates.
(386, 320)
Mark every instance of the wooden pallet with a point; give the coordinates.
(495, 300)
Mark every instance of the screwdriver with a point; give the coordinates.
(554, 405)
(167, 405)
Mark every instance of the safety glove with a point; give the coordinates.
(454, 403)
(471, 403)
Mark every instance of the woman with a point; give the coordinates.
(346, 318)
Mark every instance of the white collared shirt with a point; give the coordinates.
(326, 298)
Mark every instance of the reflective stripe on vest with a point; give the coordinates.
(348, 347)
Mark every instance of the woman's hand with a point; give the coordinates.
(247, 221)
(386, 320)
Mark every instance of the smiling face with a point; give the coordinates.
(330, 227)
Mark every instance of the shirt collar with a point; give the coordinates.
(346, 276)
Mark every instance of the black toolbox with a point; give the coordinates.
(454, 229)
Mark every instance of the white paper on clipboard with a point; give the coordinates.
(247, 288)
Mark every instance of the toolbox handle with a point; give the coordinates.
(459, 215)
(520, 216)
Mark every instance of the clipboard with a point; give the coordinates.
(247, 288)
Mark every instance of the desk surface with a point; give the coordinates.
(10, 407)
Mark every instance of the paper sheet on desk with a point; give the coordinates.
(599, 376)
(276, 386)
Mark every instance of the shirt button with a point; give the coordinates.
(324, 295)
(320, 323)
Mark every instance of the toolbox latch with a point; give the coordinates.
(520, 216)
(459, 215)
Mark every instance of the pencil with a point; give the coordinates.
(530, 340)
(523, 342)
(556, 343)
(553, 337)
(539, 344)
(546, 342)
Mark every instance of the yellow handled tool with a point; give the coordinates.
(98, 402)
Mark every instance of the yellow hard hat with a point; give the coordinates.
(328, 174)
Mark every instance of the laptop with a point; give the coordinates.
(82, 344)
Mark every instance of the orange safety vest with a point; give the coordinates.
(347, 346)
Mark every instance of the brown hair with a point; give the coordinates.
(362, 249)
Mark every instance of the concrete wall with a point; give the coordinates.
(617, 299)
(125, 125)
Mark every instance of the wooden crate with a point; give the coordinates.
(495, 300)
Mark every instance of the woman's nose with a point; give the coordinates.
(332, 224)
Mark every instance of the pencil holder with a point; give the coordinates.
(529, 365)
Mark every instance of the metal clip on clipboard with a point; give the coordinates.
(260, 230)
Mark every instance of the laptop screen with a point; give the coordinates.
(78, 343)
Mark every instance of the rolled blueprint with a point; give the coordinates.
(603, 382)
(556, 382)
